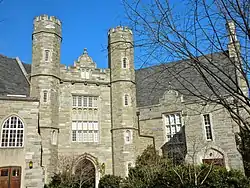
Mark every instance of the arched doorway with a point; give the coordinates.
(85, 173)
(213, 156)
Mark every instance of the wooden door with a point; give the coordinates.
(217, 162)
(10, 177)
(4, 177)
(15, 177)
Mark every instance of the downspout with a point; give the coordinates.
(139, 131)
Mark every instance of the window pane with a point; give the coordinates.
(91, 136)
(177, 119)
(73, 135)
(74, 125)
(206, 119)
(4, 172)
(85, 136)
(171, 117)
(74, 100)
(90, 126)
(79, 125)
(15, 172)
(168, 130)
(85, 101)
(95, 136)
(90, 102)
(79, 136)
(167, 120)
(79, 101)
(95, 102)
(95, 125)
(173, 129)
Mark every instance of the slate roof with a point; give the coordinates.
(153, 82)
(12, 79)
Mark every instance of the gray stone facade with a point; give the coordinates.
(27, 110)
(96, 114)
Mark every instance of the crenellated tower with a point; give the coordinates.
(46, 44)
(123, 99)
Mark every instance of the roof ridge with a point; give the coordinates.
(181, 60)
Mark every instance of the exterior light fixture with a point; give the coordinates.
(30, 164)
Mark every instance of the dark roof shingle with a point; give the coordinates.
(181, 76)
(12, 79)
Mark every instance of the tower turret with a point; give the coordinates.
(46, 42)
(123, 99)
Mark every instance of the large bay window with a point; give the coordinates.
(84, 131)
(85, 126)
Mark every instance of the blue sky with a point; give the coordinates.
(85, 24)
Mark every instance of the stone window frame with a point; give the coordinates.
(86, 74)
(125, 61)
(176, 125)
(81, 134)
(205, 126)
(47, 55)
(128, 136)
(43, 98)
(15, 130)
(85, 101)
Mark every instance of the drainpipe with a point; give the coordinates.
(139, 131)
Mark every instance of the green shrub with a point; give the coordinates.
(110, 181)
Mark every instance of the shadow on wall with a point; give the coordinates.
(175, 148)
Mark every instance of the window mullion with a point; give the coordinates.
(16, 133)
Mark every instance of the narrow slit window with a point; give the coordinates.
(128, 137)
(45, 96)
(46, 55)
(124, 63)
(126, 100)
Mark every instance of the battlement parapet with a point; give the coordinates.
(120, 29)
(47, 18)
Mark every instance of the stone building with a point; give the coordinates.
(103, 116)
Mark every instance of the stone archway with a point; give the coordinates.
(86, 171)
(213, 156)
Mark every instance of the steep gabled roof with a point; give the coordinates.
(12, 79)
(153, 82)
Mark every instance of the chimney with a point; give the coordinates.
(233, 45)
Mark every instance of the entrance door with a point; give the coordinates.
(10, 177)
